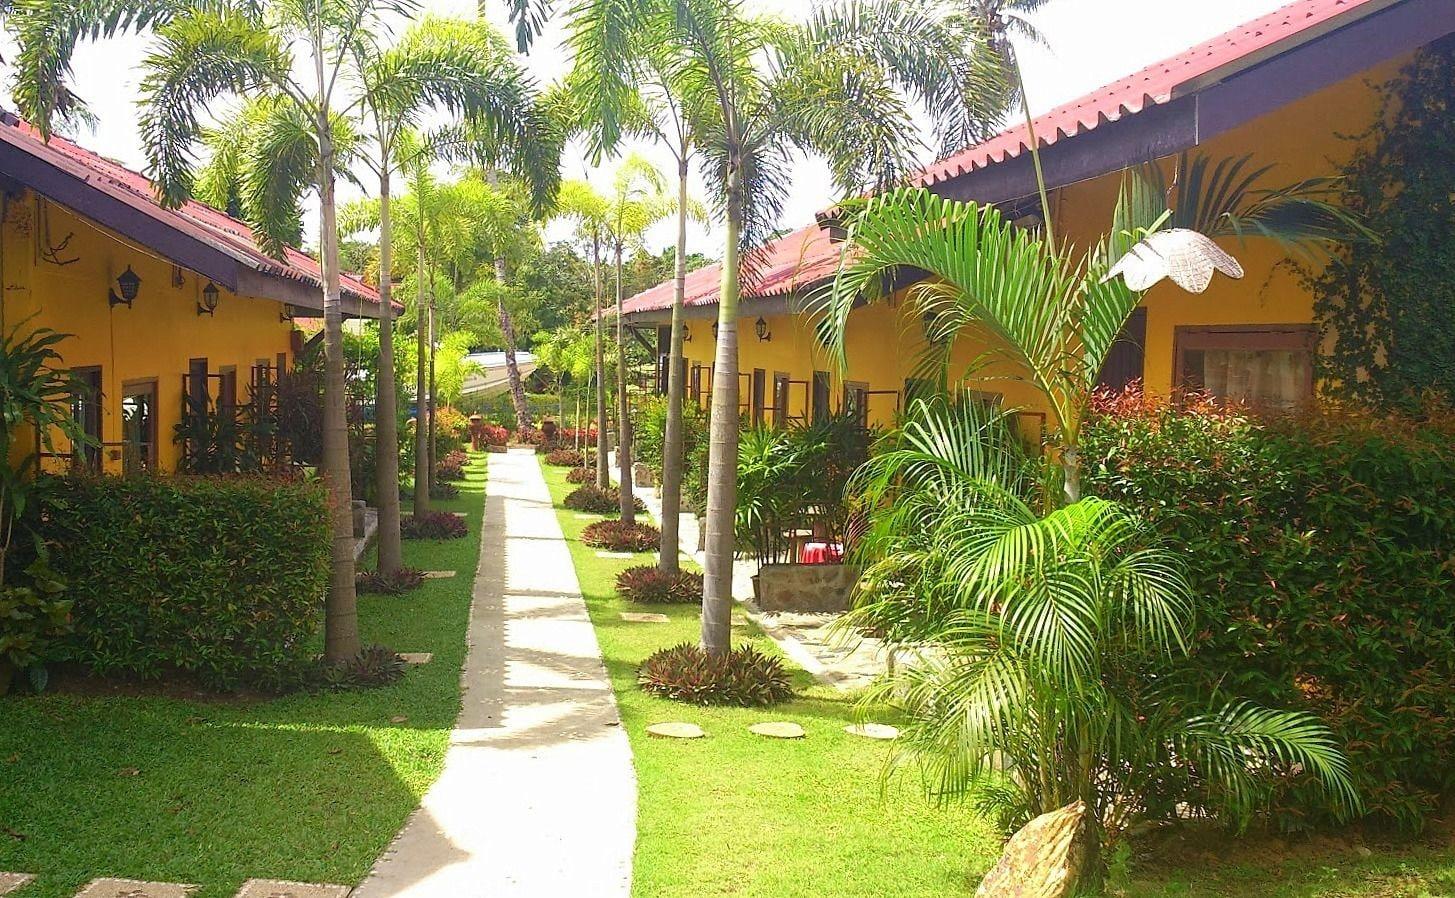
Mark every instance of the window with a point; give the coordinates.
(856, 401)
(1266, 367)
(694, 384)
(760, 390)
(197, 392)
(227, 390)
(86, 412)
(821, 408)
(1127, 357)
(139, 426)
(780, 398)
(916, 388)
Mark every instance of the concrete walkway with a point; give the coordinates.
(538, 794)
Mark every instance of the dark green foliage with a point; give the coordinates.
(443, 489)
(651, 433)
(647, 585)
(1320, 552)
(745, 677)
(401, 581)
(433, 525)
(565, 458)
(580, 475)
(796, 479)
(1386, 307)
(594, 499)
(373, 666)
(222, 578)
(451, 466)
(617, 536)
(32, 618)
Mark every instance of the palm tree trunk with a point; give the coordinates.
(433, 393)
(602, 480)
(386, 402)
(421, 389)
(623, 411)
(341, 622)
(722, 477)
(672, 438)
(1071, 473)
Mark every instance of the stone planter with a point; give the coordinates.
(808, 588)
(643, 475)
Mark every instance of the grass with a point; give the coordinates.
(736, 814)
(303, 787)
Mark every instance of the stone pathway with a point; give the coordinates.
(538, 794)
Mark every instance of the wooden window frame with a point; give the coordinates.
(758, 385)
(1245, 337)
(134, 387)
(819, 412)
(90, 457)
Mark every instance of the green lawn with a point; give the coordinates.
(736, 814)
(306, 787)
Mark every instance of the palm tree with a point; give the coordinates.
(581, 203)
(307, 54)
(457, 65)
(1052, 316)
(638, 201)
(843, 85)
(1047, 645)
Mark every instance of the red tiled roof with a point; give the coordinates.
(798, 260)
(1153, 85)
(197, 220)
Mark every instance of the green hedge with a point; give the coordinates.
(221, 578)
(1323, 551)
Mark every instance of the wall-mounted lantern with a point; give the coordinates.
(129, 282)
(714, 330)
(686, 333)
(286, 314)
(208, 304)
(761, 327)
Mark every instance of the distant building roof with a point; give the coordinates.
(800, 259)
(194, 235)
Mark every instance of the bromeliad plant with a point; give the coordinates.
(1047, 645)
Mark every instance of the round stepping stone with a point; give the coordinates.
(417, 657)
(438, 575)
(778, 729)
(605, 554)
(872, 730)
(676, 730)
(399, 718)
(640, 617)
(9, 882)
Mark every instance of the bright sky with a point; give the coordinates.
(1090, 43)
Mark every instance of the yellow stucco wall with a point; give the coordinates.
(1302, 139)
(154, 339)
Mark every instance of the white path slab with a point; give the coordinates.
(538, 794)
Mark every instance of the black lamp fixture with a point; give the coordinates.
(761, 327)
(686, 333)
(714, 330)
(286, 313)
(208, 304)
(129, 282)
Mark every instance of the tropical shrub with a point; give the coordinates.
(592, 498)
(797, 479)
(744, 677)
(452, 466)
(379, 583)
(433, 525)
(33, 619)
(618, 536)
(221, 578)
(580, 475)
(647, 585)
(1319, 550)
(650, 435)
(495, 435)
(451, 431)
(1057, 645)
(565, 458)
(373, 666)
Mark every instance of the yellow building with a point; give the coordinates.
(160, 303)
(1285, 88)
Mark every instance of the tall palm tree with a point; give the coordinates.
(591, 211)
(638, 201)
(307, 54)
(454, 65)
(843, 85)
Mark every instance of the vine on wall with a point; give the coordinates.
(1387, 308)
